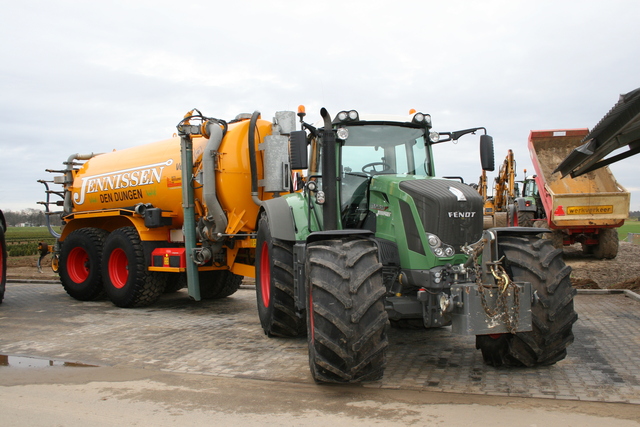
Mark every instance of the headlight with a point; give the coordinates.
(434, 136)
(344, 116)
(342, 133)
(320, 197)
(438, 248)
(423, 119)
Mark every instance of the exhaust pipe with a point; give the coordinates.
(329, 178)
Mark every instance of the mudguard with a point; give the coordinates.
(282, 219)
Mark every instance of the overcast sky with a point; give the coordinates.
(88, 76)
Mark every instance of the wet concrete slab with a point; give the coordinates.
(23, 362)
(223, 338)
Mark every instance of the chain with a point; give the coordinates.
(505, 286)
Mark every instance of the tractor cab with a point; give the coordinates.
(371, 149)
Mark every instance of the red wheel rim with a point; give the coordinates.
(265, 275)
(118, 268)
(78, 265)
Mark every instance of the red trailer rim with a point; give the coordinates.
(265, 275)
(118, 268)
(78, 265)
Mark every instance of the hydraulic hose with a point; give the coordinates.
(216, 216)
(252, 157)
(68, 178)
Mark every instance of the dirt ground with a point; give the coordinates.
(623, 272)
(26, 268)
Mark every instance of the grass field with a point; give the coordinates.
(632, 225)
(22, 241)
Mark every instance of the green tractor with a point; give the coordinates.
(374, 238)
(527, 208)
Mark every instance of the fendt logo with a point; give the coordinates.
(121, 182)
(461, 214)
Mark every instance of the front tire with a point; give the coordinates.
(274, 285)
(346, 318)
(80, 264)
(127, 281)
(533, 260)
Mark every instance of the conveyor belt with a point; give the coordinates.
(619, 128)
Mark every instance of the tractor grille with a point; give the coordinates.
(443, 213)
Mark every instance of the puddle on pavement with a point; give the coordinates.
(36, 362)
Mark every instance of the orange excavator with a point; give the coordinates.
(496, 207)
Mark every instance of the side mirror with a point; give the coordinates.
(486, 153)
(298, 150)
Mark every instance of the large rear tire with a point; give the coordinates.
(523, 218)
(608, 242)
(80, 264)
(533, 260)
(346, 318)
(127, 281)
(274, 285)
(218, 284)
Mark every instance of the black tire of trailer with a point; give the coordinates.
(127, 282)
(3, 262)
(218, 284)
(274, 285)
(608, 242)
(556, 237)
(533, 260)
(175, 282)
(80, 263)
(346, 319)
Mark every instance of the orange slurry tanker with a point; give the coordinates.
(124, 211)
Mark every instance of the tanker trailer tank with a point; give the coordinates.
(124, 228)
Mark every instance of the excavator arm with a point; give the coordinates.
(504, 188)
